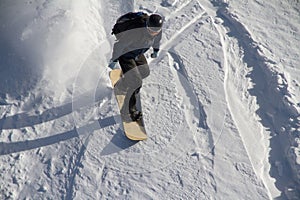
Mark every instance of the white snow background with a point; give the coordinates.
(221, 105)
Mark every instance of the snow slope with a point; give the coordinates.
(221, 104)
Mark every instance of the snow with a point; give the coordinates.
(221, 104)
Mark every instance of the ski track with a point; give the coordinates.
(178, 65)
(261, 75)
(168, 44)
(196, 107)
(223, 44)
(184, 86)
(253, 56)
(227, 61)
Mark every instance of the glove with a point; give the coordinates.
(154, 54)
(113, 64)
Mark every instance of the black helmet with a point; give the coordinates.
(155, 21)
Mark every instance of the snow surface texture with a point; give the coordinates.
(221, 105)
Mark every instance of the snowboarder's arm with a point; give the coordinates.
(123, 45)
(156, 43)
(118, 49)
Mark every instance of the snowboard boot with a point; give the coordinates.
(136, 115)
(132, 115)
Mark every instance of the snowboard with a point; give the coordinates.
(134, 130)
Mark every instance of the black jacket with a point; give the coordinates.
(134, 42)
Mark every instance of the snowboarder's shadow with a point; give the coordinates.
(118, 143)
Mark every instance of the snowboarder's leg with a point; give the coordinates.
(135, 114)
(131, 77)
(143, 67)
(129, 84)
(133, 100)
(144, 71)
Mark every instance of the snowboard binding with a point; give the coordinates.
(136, 115)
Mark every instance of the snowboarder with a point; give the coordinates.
(145, 31)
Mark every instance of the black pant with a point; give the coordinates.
(134, 71)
